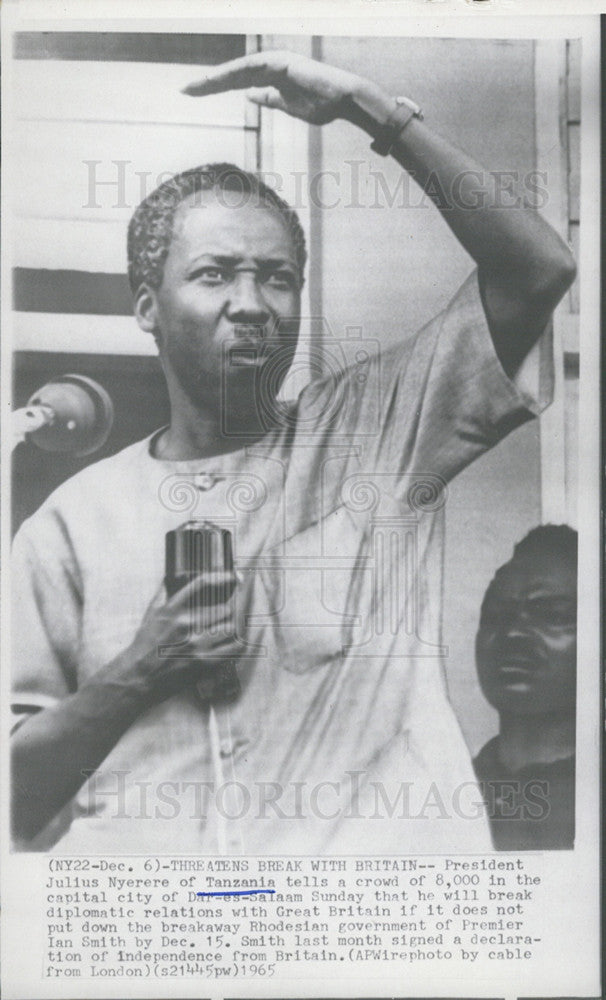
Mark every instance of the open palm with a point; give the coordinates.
(299, 86)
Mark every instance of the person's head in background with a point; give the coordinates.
(526, 643)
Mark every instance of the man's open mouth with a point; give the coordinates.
(247, 355)
(253, 351)
(512, 670)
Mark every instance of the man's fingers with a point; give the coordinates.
(205, 588)
(267, 97)
(157, 602)
(207, 617)
(211, 604)
(237, 74)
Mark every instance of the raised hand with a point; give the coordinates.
(301, 87)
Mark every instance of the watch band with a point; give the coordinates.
(404, 111)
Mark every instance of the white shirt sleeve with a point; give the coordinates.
(436, 402)
(46, 602)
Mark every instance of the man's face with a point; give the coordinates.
(526, 642)
(227, 311)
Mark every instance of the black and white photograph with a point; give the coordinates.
(301, 347)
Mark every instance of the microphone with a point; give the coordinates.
(70, 414)
(201, 549)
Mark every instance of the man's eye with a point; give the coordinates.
(556, 614)
(211, 275)
(281, 279)
(539, 612)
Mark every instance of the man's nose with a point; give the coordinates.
(246, 302)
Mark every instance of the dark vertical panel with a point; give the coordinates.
(128, 46)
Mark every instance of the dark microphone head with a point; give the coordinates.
(82, 415)
(201, 549)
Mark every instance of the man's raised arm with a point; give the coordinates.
(524, 267)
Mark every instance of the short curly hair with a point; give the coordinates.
(559, 539)
(150, 229)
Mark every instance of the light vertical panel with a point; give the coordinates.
(284, 163)
(550, 69)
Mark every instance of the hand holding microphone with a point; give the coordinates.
(201, 553)
(182, 641)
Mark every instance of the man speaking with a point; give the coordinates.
(308, 712)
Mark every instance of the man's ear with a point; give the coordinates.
(146, 309)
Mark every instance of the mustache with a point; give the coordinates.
(263, 332)
(250, 330)
(253, 342)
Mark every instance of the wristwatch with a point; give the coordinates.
(384, 136)
(404, 111)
